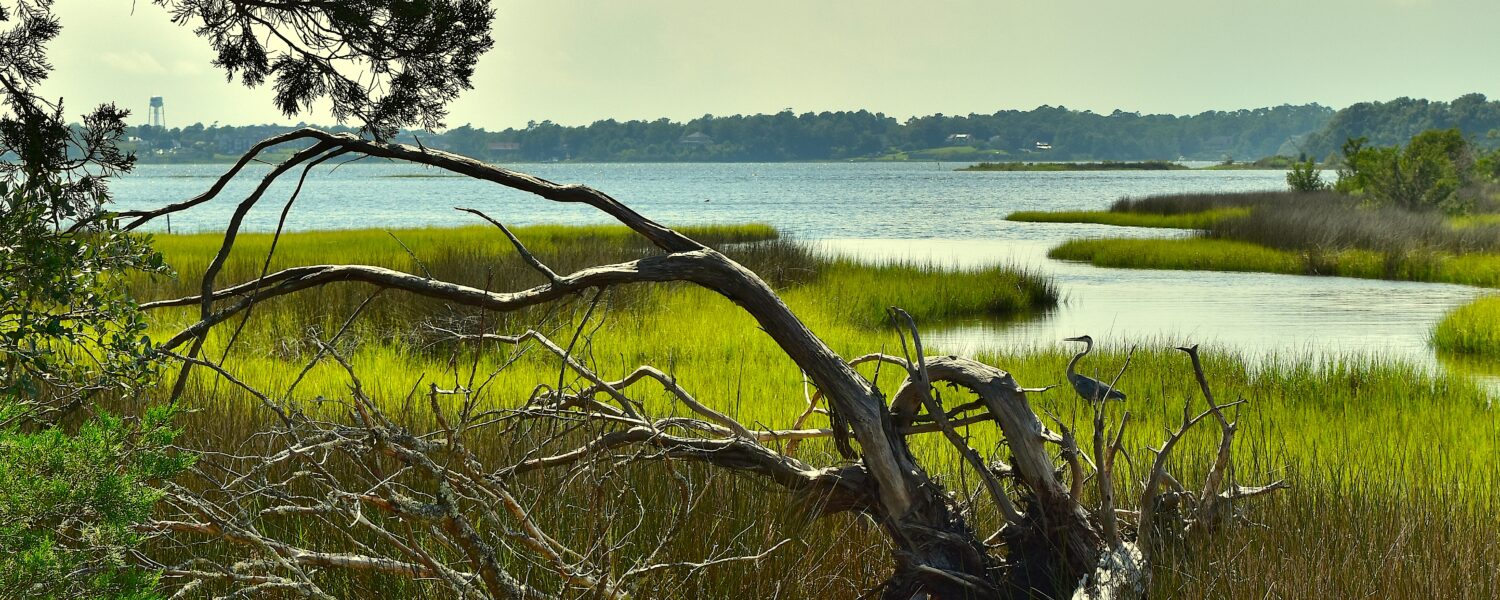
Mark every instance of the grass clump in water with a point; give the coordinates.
(1472, 329)
(1186, 254)
(860, 293)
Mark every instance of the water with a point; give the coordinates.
(1260, 314)
(922, 211)
(810, 201)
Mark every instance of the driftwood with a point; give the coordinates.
(457, 514)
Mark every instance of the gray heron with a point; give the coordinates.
(1089, 388)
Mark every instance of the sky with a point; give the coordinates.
(578, 61)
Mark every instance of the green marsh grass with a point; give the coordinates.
(1197, 220)
(1393, 468)
(1184, 254)
(665, 324)
(1201, 254)
(1472, 329)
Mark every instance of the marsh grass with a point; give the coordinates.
(1324, 222)
(852, 292)
(1472, 329)
(1475, 219)
(1393, 468)
(1176, 204)
(1320, 233)
(1194, 220)
(1182, 254)
(1342, 226)
(1200, 254)
(662, 324)
(481, 257)
(1375, 452)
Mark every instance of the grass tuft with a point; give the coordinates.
(1472, 329)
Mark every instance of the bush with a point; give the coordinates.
(69, 501)
(1305, 176)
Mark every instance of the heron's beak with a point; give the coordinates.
(1073, 339)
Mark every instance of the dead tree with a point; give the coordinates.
(1053, 541)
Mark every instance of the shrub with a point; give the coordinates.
(1306, 177)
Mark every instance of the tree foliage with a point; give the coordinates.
(1434, 171)
(68, 334)
(1487, 166)
(75, 480)
(1312, 130)
(790, 136)
(381, 63)
(1397, 121)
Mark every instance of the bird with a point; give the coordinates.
(1087, 387)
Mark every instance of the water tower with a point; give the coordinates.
(158, 115)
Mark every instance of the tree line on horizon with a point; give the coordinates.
(1045, 133)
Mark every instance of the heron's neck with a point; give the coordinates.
(1076, 357)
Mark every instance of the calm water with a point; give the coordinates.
(909, 211)
(810, 201)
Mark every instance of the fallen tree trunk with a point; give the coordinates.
(1051, 543)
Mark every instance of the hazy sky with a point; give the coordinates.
(576, 61)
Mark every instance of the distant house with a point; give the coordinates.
(960, 139)
(235, 140)
(696, 138)
(1043, 146)
(503, 146)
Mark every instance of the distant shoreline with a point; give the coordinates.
(979, 166)
(1152, 165)
(1274, 163)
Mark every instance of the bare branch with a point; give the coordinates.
(526, 255)
(917, 380)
